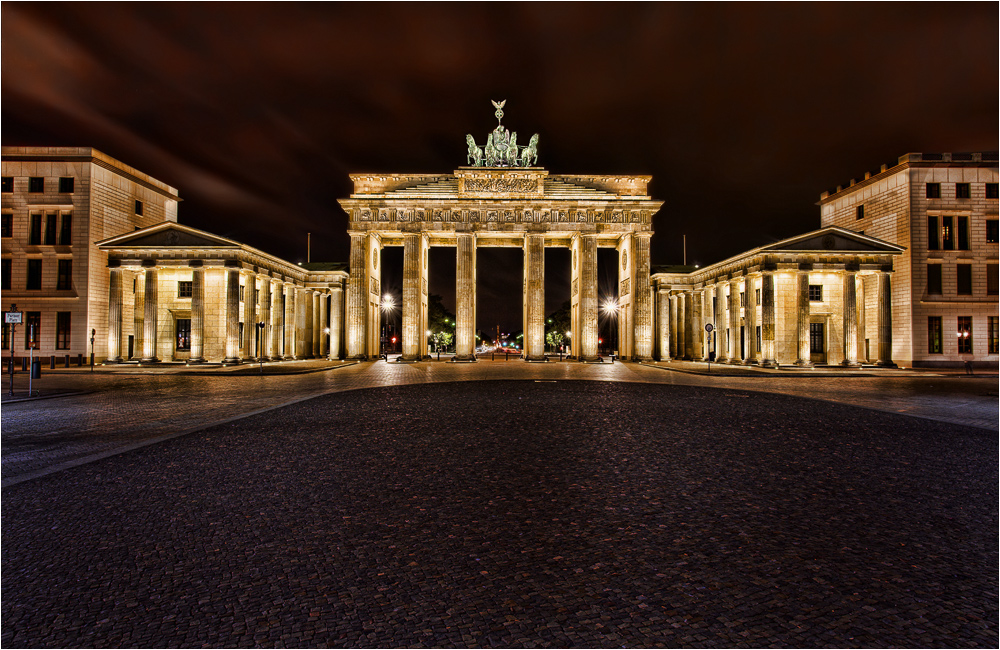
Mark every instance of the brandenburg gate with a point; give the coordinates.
(500, 199)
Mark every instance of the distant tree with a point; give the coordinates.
(557, 324)
(440, 322)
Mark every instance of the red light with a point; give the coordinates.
(394, 339)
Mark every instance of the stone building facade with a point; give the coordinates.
(824, 297)
(943, 209)
(56, 202)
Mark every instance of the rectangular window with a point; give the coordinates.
(815, 292)
(63, 319)
(993, 346)
(34, 274)
(991, 191)
(860, 212)
(757, 298)
(242, 287)
(964, 334)
(8, 224)
(963, 233)
(8, 184)
(64, 278)
(934, 279)
(5, 345)
(935, 333)
(183, 333)
(32, 329)
(963, 274)
(5, 278)
(138, 207)
(36, 184)
(35, 230)
(934, 190)
(932, 234)
(256, 296)
(816, 338)
(743, 299)
(759, 346)
(66, 232)
(185, 289)
(241, 335)
(947, 234)
(992, 231)
(66, 185)
(962, 191)
(992, 279)
(50, 229)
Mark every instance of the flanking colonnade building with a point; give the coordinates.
(92, 247)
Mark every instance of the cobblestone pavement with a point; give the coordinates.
(127, 407)
(516, 514)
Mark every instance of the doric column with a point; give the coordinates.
(850, 309)
(149, 317)
(232, 315)
(588, 324)
(663, 323)
(323, 326)
(534, 264)
(465, 297)
(139, 315)
(290, 295)
(862, 325)
(884, 321)
(197, 313)
(277, 321)
(735, 355)
(336, 320)
(249, 315)
(357, 293)
(750, 318)
(642, 296)
(265, 315)
(802, 302)
(115, 316)
(308, 324)
(682, 327)
(412, 288)
(721, 323)
(301, 342)
(697, 352)
(767, 318)
(706, 317)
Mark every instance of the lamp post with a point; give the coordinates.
(610, 309)
(387, 306)
(260, 341)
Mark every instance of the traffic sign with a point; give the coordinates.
(12, 317)
(709, 327)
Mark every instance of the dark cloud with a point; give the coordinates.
(742, 113)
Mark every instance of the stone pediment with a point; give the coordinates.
(833, 239)
(168, 235)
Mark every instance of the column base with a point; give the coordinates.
(232, 361)
(591, 359)
(850, 364)
(768, 363)
(149, 360)
(194, 362)
(112, 362)
(465, 358)
(536, 359)
(799, 363)
(886, 364)
(403, 358)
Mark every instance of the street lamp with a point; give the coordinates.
(610, 309)
(387, 306)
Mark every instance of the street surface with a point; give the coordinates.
(642, 508)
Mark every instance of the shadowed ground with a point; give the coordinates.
(516, 513)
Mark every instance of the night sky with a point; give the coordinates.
(743, 114)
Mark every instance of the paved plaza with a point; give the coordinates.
(380, 505)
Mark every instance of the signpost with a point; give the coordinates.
(12, 318)
(708, 328)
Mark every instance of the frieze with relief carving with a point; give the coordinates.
(502, 185)
(625, 287)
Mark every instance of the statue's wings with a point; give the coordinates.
(500, 105)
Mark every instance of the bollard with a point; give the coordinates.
(67, 361)
(36, 368)
(24, 364)
(79, 361)
(52, 362)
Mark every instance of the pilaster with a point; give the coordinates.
(802, 302)
(534, 264)
(465, 297)
(197, 315)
